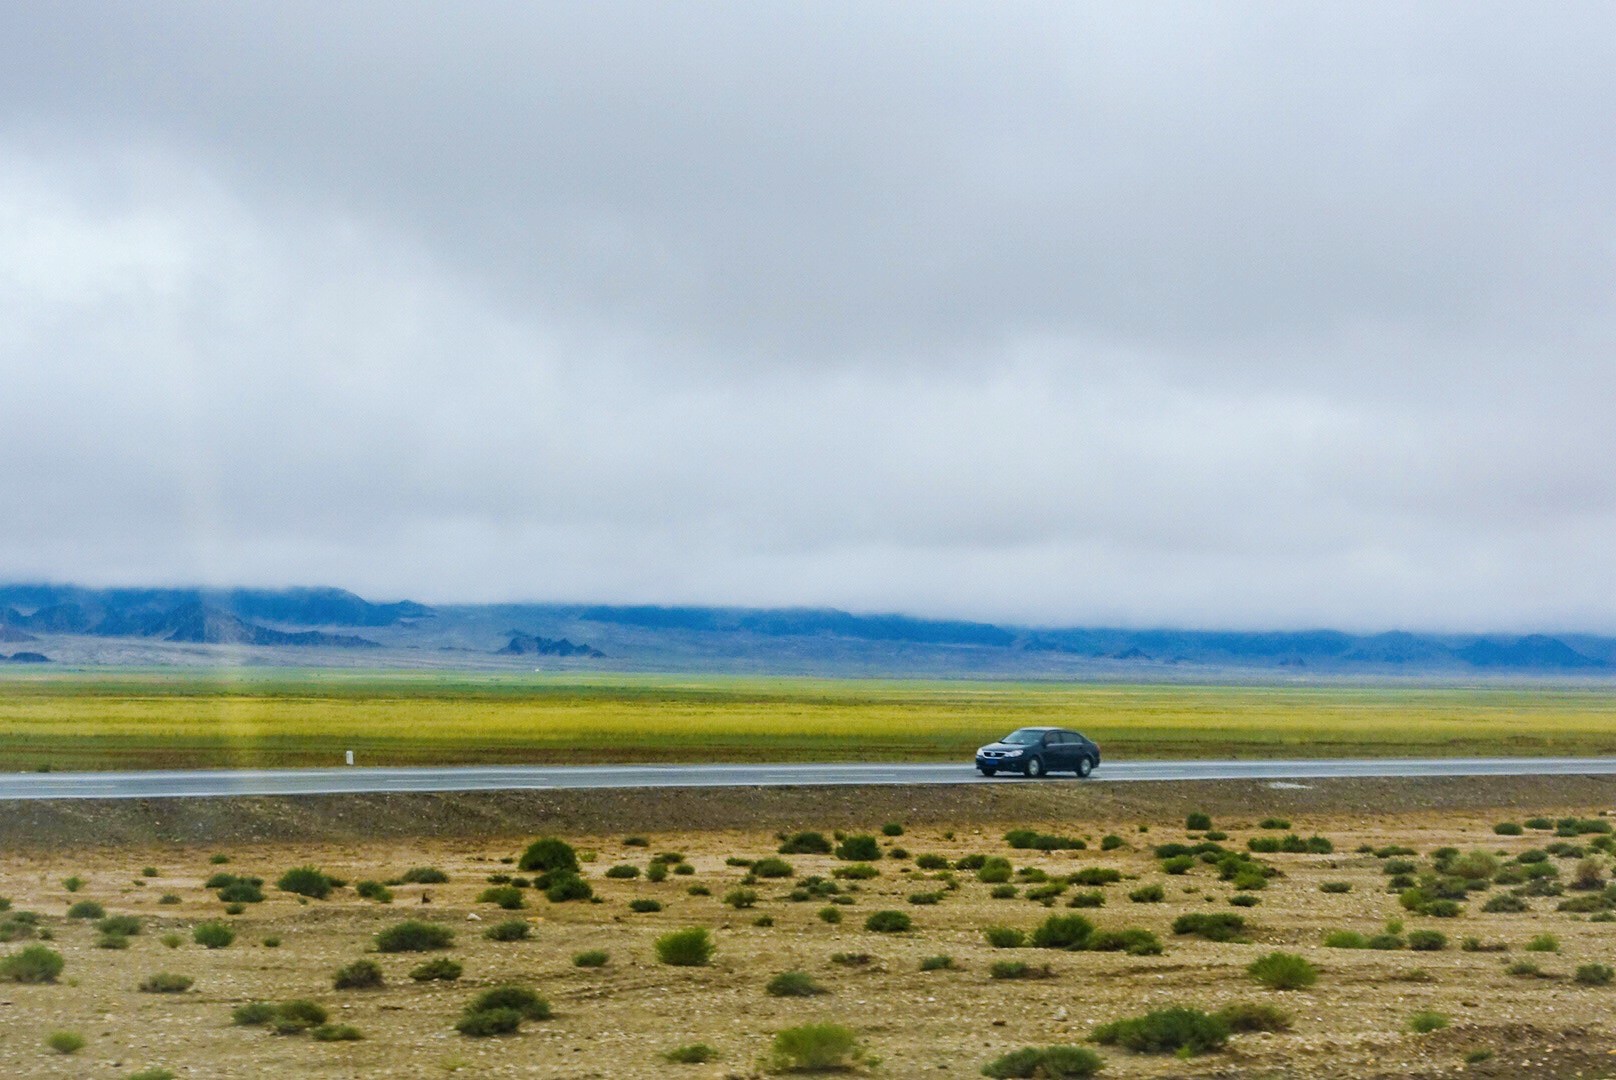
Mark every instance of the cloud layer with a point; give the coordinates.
(1254, 315)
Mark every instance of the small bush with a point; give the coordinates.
(1062, 932)
(165, 982)
(218, 859)
(1047, 1063)
(1505, 902)
(65, 1042)
(525, 1002)
(693, 1054)
(793, 984)
(359, 975)
(307, 881)
(1427, 940)
(644, 905)
(888, 922)
(564, 886)
(851, 959)
(1198, 822)
(938, 963)
(1096, 875)
(253, 1014)
(1594, 975)
(549, 855)
(1274, 823)
(924, 899)
(624, 872)
(1423, 1022)
(171, 941)
(86, 909)
(830, 915)
(489, 1022)
(741, 898)
(1005, 937)
(1544, 943)
(772, 868)
(1134, 942)
(414, 935)
(1507, 828)
(1283, 971)
(858, 849)
(296, 1016)
(1525, 967)
(1252, 1016)
(806, 843)
(336, 1033)
(892, 828)
(508, 897)
(213, 935)
(374, 890)
(1212, 925)
(508, 930)
(994, 871)
(1345, 939)
(236, 890)
(1017, 969)
(1166, 1031)
(1335, 886)
(152, 1074)
(931, 862)
(424, 875)
(593, 958)
(1148, 894)
(815, 1048)
(856, 872)
(438, 969)
(692, 947)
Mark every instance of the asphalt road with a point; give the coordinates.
(148, 785)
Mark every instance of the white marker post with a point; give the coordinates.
(350, 757)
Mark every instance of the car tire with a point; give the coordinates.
(1085, 765)
(1034, 768)
(987, 772)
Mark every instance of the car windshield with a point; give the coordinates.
(1026, 736)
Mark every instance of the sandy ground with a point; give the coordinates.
(617, 1020)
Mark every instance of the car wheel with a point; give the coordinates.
(988, 772)
(1034, 768)
(1085, 765)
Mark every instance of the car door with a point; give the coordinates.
(1057, 751)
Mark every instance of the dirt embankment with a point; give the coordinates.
(52, 824)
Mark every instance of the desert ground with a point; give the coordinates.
(619, 1019)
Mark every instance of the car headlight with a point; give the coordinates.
(1015, 753)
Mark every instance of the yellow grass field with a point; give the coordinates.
(69, 720)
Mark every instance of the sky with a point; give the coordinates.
(1208, 315)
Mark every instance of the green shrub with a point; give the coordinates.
(508, 930)
(218, 859)
(1253, 1016)
(1594, 975)
(593, 958)
(1283, 971)
(1166, 1031)
(692, 947)
(624, 872)
(307, 881)
(772, 868)
(644, 905)
(1029, 840)
(1335, 887)
(931, 862)
(858, 849)
(1178, 864)
(481, 1025)
(1198, 822)
(892, 828)
(1134, 942)
(1148, 894)
(1091, 898)
(693, 1054)
(245, 890)
(359, 975)
(336, 1033)
(830, 915)
(888, 922)
(994, 871)
(1005, 937)
(253, 1014)
(65, 1042)
(1096, 875)
(741, 898)
(524, 1001)
(549, 855)
(1274, 823)
(1047, 1063)
(856, 872)
(1345, 939)
(86, 909)
(636, 841)
(213, 935)
(1422, 1022)
(815, 1048)
(938, 963)
(1210, 925)
(563, 886)
(1385, 942)
(659, 871)
(851, 959)
(171, 941)
(1062, 932)
(1427, 940)
(73, 884)
(924, 899)
(1473, 866)
(793, 984)
(438, 969)
(1525, 967)
(508, 897)
(296, 1016)
(165, 982)
(1017, 969)
(1544, 943)
(153, 1073)
(424, 875)
(1507, 828)
(414, 935)
(806, 843)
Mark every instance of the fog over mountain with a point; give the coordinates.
(1232, 317)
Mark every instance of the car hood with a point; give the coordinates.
(1001, 746)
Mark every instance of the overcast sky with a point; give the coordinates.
(1217, 315)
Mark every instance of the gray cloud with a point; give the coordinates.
(1246, 315)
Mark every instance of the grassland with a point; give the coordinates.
(72, 720)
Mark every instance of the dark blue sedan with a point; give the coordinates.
(1034, 751)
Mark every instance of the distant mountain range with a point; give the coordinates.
(138, 625)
